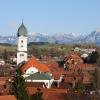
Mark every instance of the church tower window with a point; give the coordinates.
(21, 41)
(21, 45)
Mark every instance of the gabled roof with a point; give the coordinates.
(33, 62)
(82, 66)
(74, 57)
(56, 75)
(39, 76)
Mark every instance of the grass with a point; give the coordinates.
(8, 48)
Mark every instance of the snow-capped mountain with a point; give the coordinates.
(38, 37)
(93, 37)
(8, 39)
(64, 38)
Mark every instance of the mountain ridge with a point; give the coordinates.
(61, 38)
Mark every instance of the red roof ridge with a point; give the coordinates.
(33, 62)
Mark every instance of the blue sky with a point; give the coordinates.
(50, 16)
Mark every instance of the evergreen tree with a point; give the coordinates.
(93, 57)
(98, 61)
(37, 95)
(5, 55)
(18, 87)
(80, 87)
(96, 79)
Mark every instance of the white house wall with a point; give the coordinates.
(49, 82)
(31, 70)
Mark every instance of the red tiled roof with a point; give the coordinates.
(46, 90)
(33, 62)
(56, 75)
(74, 57)
(50, 94)
(7, 97)
(53, 66)
(4, 78)
(81, 66)
(87, 78)
(69, 79)
(54, 96)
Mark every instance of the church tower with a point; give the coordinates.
(22, 44)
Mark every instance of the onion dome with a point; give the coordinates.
(22, 31)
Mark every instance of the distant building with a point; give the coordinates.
(74, 59)
(84, 55)
(2, 62)
(22, 44)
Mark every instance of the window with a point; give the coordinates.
(21, 54)
(46, 83)
(21, 45)
(32, 72)
(21, 41)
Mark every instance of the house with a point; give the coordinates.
(76, 49)
(41, 77)
(58, 78)
(85, 55)
(13, 59)
(37, 72)
(87, 78)
(74, 59)
(33, 66)
(2, 62)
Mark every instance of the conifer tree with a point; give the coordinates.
(96, 79)
(37, 95)
(80, 87)
(18, 88)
